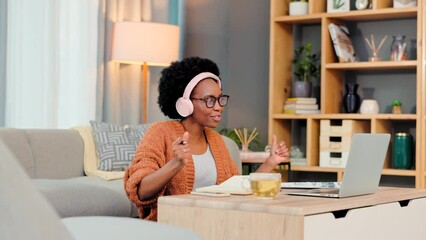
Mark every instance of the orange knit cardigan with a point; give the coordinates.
(155, 150)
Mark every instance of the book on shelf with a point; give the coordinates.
(294, 106)
(342, 43)
(302, 111)
(301, 101)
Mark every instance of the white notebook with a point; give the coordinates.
(235, 185)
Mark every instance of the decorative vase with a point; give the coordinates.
(398, 48)
(301, 89)
(369, 106)
(351, 101)
(402, 152)
(298, 8)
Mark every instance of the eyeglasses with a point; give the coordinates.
(211, 100)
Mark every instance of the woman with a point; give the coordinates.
(177, 156)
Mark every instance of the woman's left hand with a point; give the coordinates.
(279, 152)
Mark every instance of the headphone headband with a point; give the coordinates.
(195, 80)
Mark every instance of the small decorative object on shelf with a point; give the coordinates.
(369, 106)
(295, 152)
(404, 3)
(402, 151)
(375, 51)
(342, 43)
(398, 48)
(306, 67)
(363, 4)
(351, 101)
(396, 107)
(298, 7)
(338, 6)
(245, 138)
(297, 156)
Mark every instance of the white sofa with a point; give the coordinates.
(25, 214)
(54, 160)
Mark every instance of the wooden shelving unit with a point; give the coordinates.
(282, 44)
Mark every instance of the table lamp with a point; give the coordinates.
(145, 43)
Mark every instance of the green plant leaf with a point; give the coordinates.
(396, 103)
(337, 4)
(306, 64)
(254, 145)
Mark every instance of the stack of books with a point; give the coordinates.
(301, 106)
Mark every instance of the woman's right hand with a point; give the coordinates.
(153, 183)
(181, 149)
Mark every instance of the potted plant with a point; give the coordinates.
(306, 67)
(298, 7)
(396, 107)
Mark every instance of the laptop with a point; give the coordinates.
(363, 169)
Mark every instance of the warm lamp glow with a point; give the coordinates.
(145, 42)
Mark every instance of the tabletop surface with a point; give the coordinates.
(294, 205)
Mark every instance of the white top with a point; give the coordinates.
(205, 169)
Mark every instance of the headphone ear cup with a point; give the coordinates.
(184, 107)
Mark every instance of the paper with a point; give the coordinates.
(208, 194)
(237, 185)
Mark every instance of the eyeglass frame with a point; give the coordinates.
(216, 99)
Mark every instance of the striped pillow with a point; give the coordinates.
(116, 145)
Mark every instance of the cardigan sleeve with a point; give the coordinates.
(149, 157)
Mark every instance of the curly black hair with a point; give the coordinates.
(174, 79)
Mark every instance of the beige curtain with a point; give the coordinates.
(118, 94)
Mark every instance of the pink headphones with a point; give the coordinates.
(184, 105)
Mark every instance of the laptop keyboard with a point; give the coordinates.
(310, 185)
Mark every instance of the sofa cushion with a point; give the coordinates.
(91, 158)
(74, 198)
(24, 213)
(114, 185)
(116, 145)
(57, 153)
(16, 140)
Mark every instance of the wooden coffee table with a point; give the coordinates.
(391, 213)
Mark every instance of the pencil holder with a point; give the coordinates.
(398, 48)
